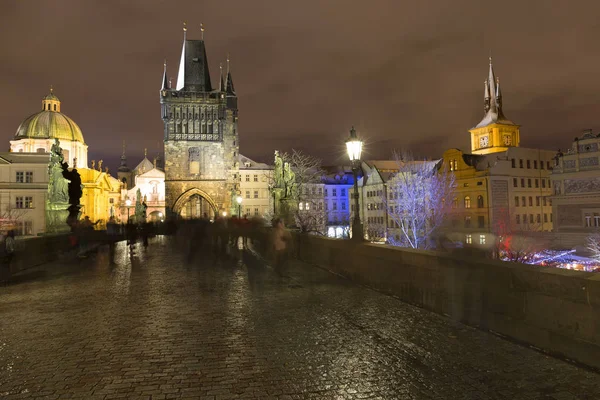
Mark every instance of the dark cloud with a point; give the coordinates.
(407, 75)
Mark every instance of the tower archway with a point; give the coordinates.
(195, 203)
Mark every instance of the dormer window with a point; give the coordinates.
(247, 164)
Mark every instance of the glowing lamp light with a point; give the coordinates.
(354, 146)
(224, 213)
(160, 215)
(239, 199)
(128, 202)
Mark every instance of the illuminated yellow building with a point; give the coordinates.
(101, 195)
(500, 187)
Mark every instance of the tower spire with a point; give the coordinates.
(498, 94)
(184, 31)
(492, 86)
(221, 83)
(165, 81)
(229, 86)
(486, 97)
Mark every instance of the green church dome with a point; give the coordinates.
(49, 123)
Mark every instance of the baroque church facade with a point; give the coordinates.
(201, 145)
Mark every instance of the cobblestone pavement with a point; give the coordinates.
(157, 327)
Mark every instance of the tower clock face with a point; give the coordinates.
(484, 141)
(507, 140)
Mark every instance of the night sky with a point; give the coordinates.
(406, 74)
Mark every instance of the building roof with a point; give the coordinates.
(49, 124)
(247, 163)
(193, 67)
(383, 165)
(144, 166)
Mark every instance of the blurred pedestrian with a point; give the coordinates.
(112, 231)
(9, 252)
(280, 242)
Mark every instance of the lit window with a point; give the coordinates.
(28, 202)
(468, 239)
(481, 239)
(300, 206)
(467, 202)
(307, 206)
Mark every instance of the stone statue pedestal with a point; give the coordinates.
(57, 215)
(287, 211)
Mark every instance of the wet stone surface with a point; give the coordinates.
(158, 327)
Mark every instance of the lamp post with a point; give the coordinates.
(128, 204)
(239, 200)
(354, 148)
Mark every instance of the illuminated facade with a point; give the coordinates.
(254, 187)
(200, 138)
(500, 187)
(576, 182)
(24, 176)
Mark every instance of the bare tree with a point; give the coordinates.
(10, 217)
(418, 200)
(593, 245)
(516, 243)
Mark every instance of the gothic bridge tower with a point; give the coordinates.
(200, 136)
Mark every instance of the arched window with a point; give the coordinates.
(467, 202)
(55, 107)
(480, 201)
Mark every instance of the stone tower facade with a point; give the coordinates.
(201, 138)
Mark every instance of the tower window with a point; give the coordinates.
(55, 107)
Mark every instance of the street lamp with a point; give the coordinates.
(239, 200)
(354, 148)
(128, 204)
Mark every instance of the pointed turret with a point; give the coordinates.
(193, 66)
(165, 81)
(498, 94)
(492, 85)
(486, 97)
(492, 101)
(123, 167)
(221, 83)
(229, 86)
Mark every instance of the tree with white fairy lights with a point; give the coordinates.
(418, 201)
